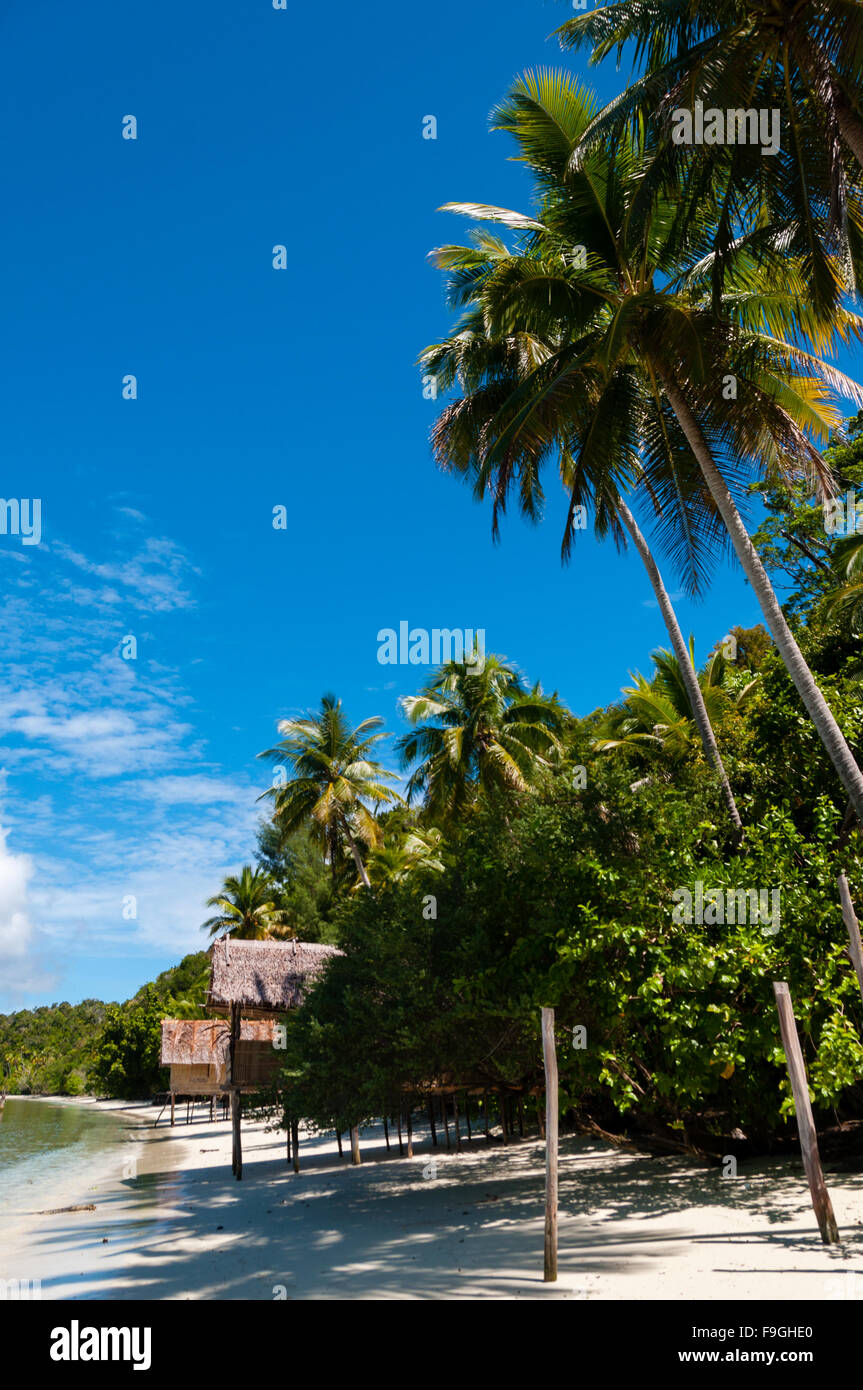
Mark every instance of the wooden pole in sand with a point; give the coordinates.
(339, 1141)
(549, 1056)
(387, 1133)
(431, 1122)
(852, 927)
(295, 1142)
(355, 1145)
(821, 1203)
(172, 1109)
(238, 1140)
(237, 1144)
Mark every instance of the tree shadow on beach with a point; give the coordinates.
(467, 1223)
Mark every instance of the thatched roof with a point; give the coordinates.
(265, 976)
(205, 1041)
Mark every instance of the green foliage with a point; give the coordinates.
(52, 1050)
(126, 1058)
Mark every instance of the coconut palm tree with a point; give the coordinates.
(417, 850)
(844, 599)
(477, 730)
(621, 333)
(802, 59)
(247, 907)
(655, 714)
(331, 778)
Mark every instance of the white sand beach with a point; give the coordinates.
(470, 1226)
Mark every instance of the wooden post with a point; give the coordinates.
(467, 1114)
(485, 1115)
(356, 1157)
(455, 1121)
(852, 927)
(339, 1141)
(445, 1121)
(295, 1142)
(236, 1112)
(237, 1142)
(172, 1109)
(212, 1103)
(432, 1123)
(549, 1057)
(387, 1133)
(501, 1102)
(401, 1145)
(410, 1134)
(821, 1203)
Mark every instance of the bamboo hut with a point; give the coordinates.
(258, 981)
(198, 1053)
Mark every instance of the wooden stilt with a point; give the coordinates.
(432, 1123)
(501, 1103)
(852, 927)
(339, 1142)
(212, 1108)
(356, 1157)
(455, 1121)
(821, 1202)
(387, 1133)
(295, 1142)
(236, 1114)
(188, 1108)
(410, 1133)
(445, 1121)
(549, 1056)
(172, 1109)
(401, 1145)
(467, 1115)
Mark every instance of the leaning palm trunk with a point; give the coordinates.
(828, 730)
(690, 680)
(361, 868)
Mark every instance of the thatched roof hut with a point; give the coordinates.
(263, 978)
(198, 1050)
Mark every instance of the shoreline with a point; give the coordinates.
(443, 1225)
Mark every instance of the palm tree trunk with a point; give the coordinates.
(361, 868)
(828, 730)
(690, 679)
(849, 123)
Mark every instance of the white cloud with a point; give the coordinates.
(21, 944)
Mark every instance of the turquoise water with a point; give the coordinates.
(46, 1149)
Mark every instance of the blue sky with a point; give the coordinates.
(256, 388)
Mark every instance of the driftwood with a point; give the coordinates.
(55, 1211)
